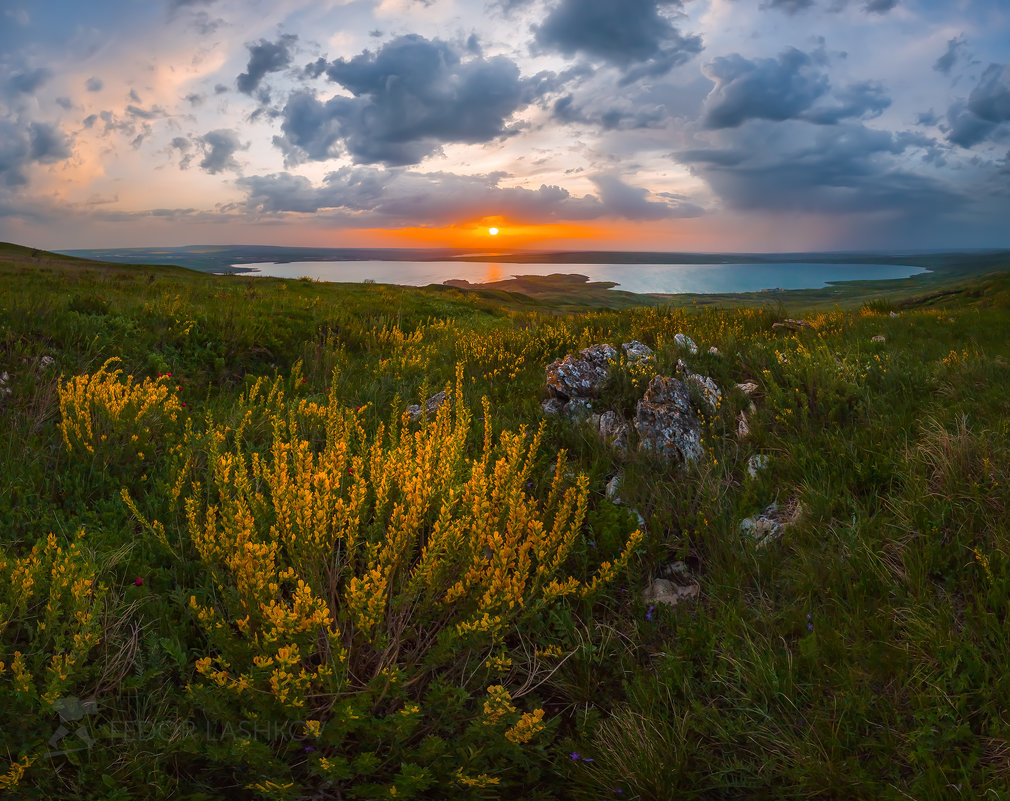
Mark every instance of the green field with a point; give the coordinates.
(231, 567)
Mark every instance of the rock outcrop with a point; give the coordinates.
(430, 407)
(612, 429)
(636, 351)
(574, 380)
(686, 342)
(792, 325)
(666, 423)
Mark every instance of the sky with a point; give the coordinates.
(679, 125)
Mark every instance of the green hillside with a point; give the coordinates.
(233, 566)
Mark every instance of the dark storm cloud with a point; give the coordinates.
(768, 88)
(846, 169)
(409, 97)
(65, 103)
(21, 145)
(631, 35)
(956, 48)
(783, 88)
(795, 6)
(393, 197)
(986, 110)
(219, 150)
(29, 81)
(94, 84)
(631, 203)
(265, 57)
(48, 144)
(788, 6)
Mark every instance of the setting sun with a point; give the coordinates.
(493, 231)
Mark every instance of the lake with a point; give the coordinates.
(642, 278)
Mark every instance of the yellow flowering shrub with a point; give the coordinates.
(51, 605)
(370, 567)
(108, 409)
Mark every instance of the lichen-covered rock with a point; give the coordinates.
(714, 351)
(792, 325)
(709, 389)
(581, 376)
(768, 526)
(431, 406)
(748, 387)
(686, 342)
(742, 426)
(613, 487)
(756, 464)
(666, 423)
(878, 338)
(612, 429)
(637, 351)
(671, 593)
(552, 406)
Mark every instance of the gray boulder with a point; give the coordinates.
(666, 423)
(612, 429)
(581, 376)
(768, 526)
(636, 351)
(431, 406)
(686, 342)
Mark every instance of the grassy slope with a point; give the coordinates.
(899, 563)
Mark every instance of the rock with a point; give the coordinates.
(666, 423)
(709, 389)
(714, 351)
(664, 591)
(552, 406)
(742, 426)
(755, 464)
(612, 429)
(636, 351)
(686, 342)
(641, 520)
(748, 387)
(431, 406)
(612, 488)
(4, 378)
(676, 570)
(578, 409)
(877, 338)
(792, 325)
(894, 314)
(768, 526)
(581, 376)
(46, 361)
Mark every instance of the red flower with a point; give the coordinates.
(138, 581)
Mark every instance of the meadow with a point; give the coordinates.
(231, 566)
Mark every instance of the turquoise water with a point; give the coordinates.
(663, 278)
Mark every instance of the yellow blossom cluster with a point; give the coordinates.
(107, 403)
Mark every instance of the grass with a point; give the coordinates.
(863, 655)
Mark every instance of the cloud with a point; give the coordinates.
(265, 57)
(783, 88)
(29, 81)
(409, 98)
(22, 145)
(788, 6)
(956, 48)
(94, 84)
(632, 35)
(769, 88)
(219, 149)
(847, 169)
(879, 6)
(406, 197)
(986, 110)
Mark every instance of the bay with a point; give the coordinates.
(641, 278)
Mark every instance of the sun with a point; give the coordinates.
(493, 231)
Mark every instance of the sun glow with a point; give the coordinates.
(493, 231)
(514, 234)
